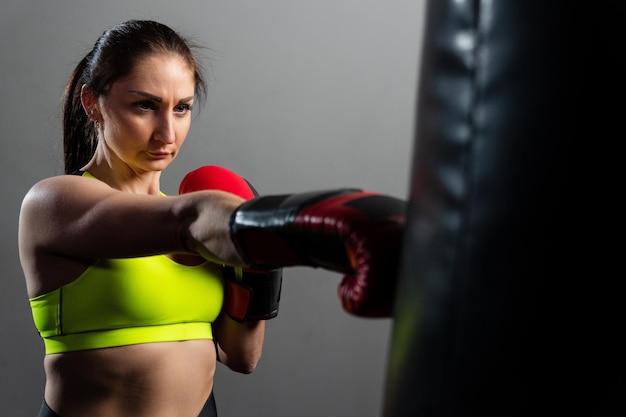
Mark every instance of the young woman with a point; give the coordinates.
(132, 317)
(132, 327)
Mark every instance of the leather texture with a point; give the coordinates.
(474, 333)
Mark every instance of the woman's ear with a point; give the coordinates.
(89, 101)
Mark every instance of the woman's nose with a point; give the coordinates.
(164, 130)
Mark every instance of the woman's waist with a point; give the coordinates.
(141, 377)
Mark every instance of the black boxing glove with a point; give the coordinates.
(249, 294)
(349, 231)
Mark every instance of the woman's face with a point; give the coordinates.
(146, 116)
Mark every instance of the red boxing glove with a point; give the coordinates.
(349, 231)
(213, 177)
(248, 294)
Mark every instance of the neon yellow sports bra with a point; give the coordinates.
(118, 302)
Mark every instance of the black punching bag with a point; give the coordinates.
(481, 327)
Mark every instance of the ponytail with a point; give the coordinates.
(79, 134)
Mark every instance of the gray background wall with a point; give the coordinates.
(304, 95)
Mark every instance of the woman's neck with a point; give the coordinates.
(124, 178)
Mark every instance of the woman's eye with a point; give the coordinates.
(145, 105)
(182, 108)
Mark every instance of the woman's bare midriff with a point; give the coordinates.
(170, 379)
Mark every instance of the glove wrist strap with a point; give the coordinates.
(251, 294)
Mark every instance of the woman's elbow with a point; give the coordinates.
(245, 369)
(240, 345)
(244, 364)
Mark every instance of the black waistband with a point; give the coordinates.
(45, 411)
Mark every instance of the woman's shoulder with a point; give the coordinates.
(55, 190)
(66, 182)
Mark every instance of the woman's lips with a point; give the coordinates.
(159, 155)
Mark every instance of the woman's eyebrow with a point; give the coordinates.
(146, 95)
(157, 98)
